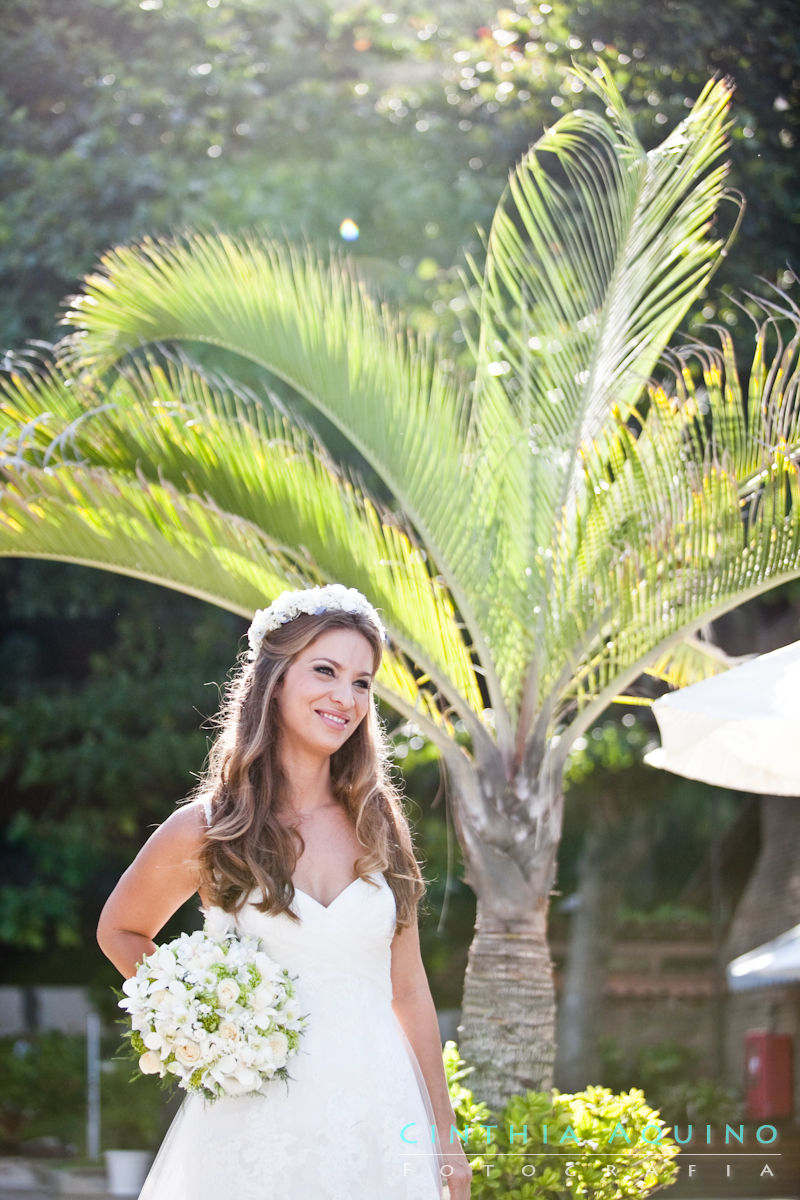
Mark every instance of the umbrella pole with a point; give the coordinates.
(718, 999)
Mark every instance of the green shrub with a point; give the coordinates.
(42, 1088)
(667, 1071)
(133, 1112)
(43, 1094)
(554, 1147)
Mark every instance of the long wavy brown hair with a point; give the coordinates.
(246, 847)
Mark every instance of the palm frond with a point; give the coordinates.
(152, 532)
(315, 328)
(689, 511)
(690, 661)
(595, 254)
(164, 426)
(134, 527)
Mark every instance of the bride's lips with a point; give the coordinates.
(333, 720)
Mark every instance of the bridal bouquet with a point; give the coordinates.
(214, 1012)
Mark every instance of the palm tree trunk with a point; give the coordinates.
(507, 1027)
(507, 1030)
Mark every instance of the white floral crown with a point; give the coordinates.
(335, 597)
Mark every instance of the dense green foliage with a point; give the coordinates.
(123, 118)
(43, 1095)
(42, 1089)
(104, 690)
(556, 1146)
(668, 1072)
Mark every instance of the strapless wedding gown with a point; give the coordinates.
(334, 1131)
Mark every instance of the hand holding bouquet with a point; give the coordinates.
(213, 1011)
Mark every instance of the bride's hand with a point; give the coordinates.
(458, 1175)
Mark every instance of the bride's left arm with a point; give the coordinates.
(414, 1008)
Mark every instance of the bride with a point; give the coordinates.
(296, 834)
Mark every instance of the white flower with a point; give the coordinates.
(163, 959)
(207, 1026)
(228, 992)
(289, 605)
(150, 1063)
(187, 1053)
(235, 1087)
(279, 1047)
(264, 995)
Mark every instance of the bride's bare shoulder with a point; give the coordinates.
(182, 834)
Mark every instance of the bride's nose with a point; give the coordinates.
(341, 692)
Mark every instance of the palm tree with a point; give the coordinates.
(556, 526)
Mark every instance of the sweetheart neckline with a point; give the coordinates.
(338, 896)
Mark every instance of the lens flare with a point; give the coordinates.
(348, 230)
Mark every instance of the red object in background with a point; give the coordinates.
(768, 1062)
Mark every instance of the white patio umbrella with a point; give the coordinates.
(740, 729)
(775, 962)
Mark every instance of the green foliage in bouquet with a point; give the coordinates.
(555, 1146)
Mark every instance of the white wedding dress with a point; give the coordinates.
(334, 1131)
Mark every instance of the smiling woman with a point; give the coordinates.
(296, 835)
(323, 697)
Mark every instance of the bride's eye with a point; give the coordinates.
(324, 669)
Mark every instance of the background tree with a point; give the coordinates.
(122, 119)
(572, 528)
(102, 697)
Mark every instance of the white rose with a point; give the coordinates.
(150, 1063)
(227, 992)
(228, 1031)
(187, 1053)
